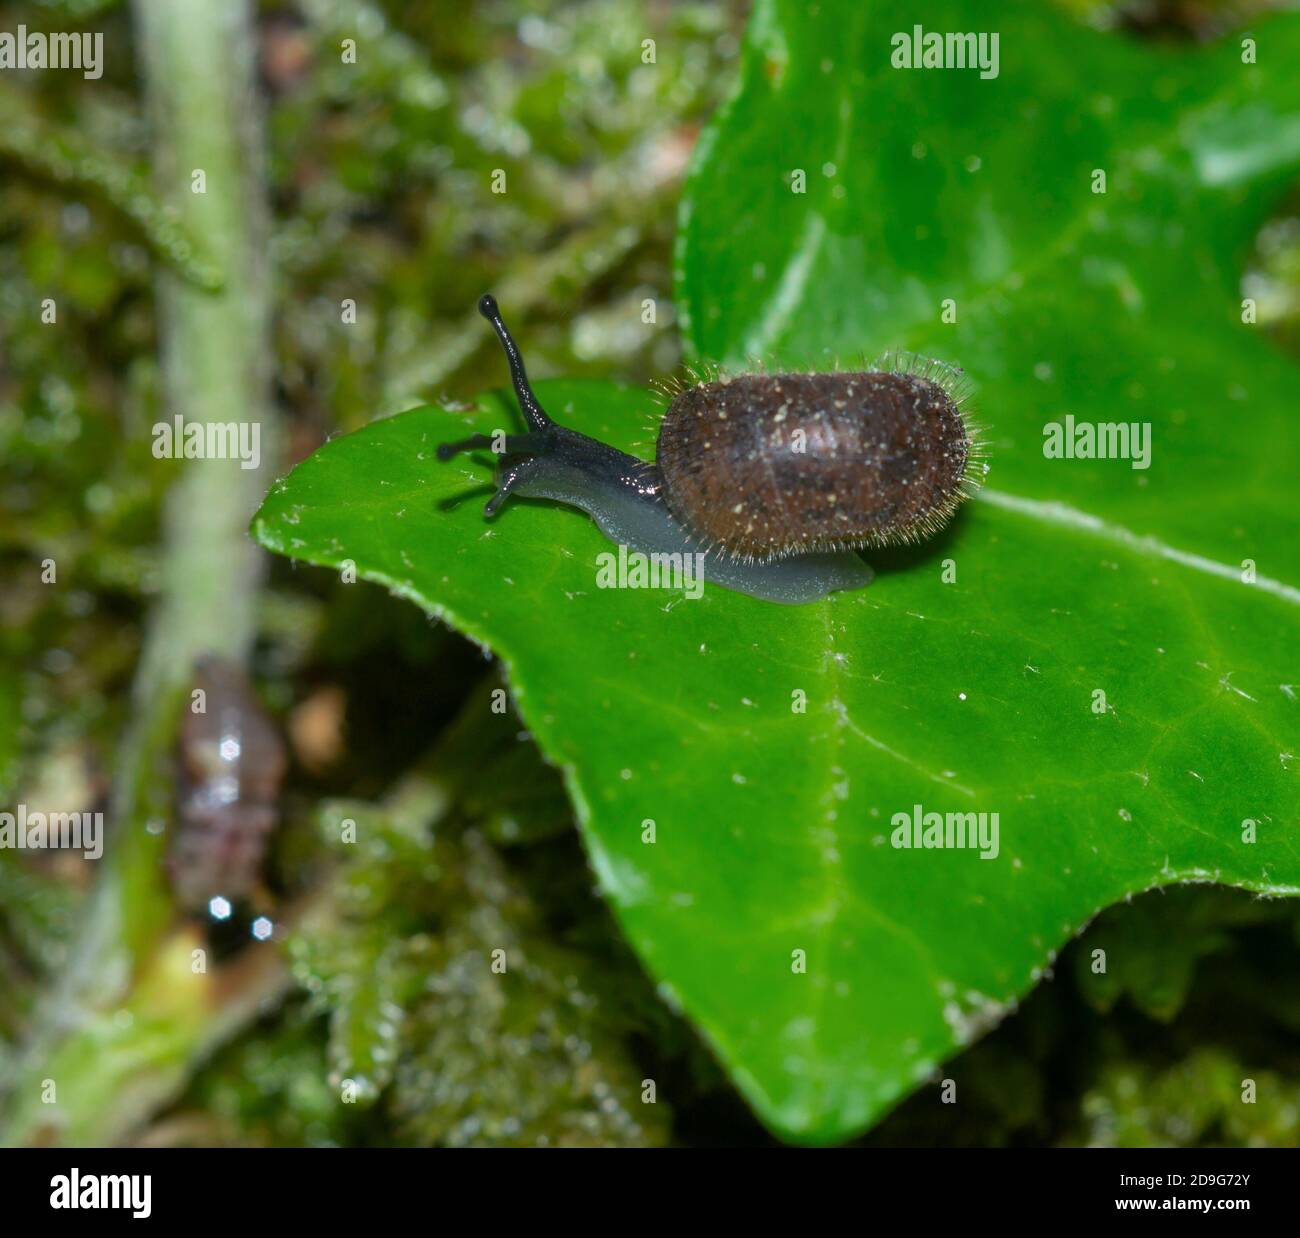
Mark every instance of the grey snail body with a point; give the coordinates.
(776, 479)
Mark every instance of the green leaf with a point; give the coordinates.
(1073, 577)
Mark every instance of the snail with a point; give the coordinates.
(777, 479)
(232, 762)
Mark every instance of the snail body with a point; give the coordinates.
(233, 762)
(777, 479)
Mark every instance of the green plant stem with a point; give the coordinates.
(198, 58)
(198, 61)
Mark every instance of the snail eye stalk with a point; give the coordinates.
(532, 410)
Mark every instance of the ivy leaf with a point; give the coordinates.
(1083, 653)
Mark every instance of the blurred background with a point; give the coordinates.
(341, 998)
